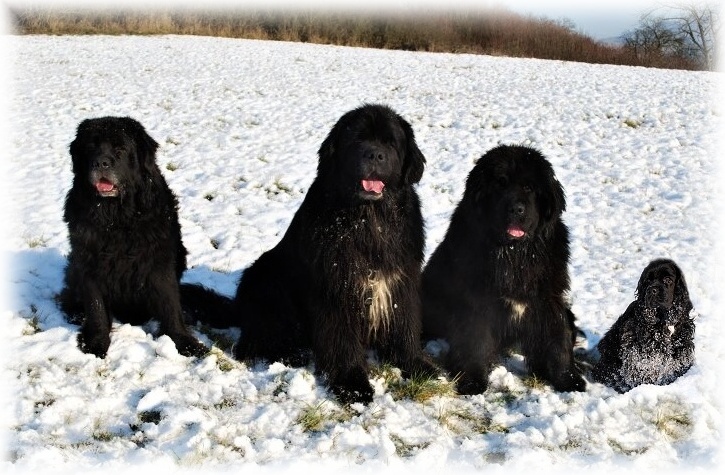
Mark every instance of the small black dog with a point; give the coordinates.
(652, 341)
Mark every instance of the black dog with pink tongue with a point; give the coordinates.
(126, 253)
(498, 280)
(344, 279)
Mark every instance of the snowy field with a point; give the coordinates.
(239, 124)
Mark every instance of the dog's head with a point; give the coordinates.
(515, 193)
(370, 152)
(662, 287)
(110, 155)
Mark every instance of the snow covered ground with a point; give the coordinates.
(239, 123)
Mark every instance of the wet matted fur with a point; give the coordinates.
(652, 342)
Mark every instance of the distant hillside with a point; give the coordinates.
(494, 32)
(613, 41)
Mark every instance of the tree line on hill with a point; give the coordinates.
(494, 32)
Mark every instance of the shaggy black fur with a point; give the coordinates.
(499, 278)
(126, 253)
(345, 277)
(652, 342)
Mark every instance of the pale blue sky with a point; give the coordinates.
(600, 20)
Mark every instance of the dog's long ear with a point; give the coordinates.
(477, 186)
(553, 198)
(414, 160)
(644, 280)
(682, 296)
(328, 148)
(145, 145)
(76, 145)
(148, 189)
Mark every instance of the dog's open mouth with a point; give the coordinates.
(374, 187)
(106, 187)
(515, 231)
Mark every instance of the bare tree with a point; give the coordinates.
(653, 39)
(698, 26)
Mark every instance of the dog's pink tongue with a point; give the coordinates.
(376, 186)
(515, 231)
(104, 186)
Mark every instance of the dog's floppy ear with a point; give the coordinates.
(328, 148)
(76, 145)
(682, 296)
(414, 161)
(477, 186)
(145, 145)
(559, 201)
(644, 280)
(553, 198)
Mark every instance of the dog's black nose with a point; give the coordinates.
(101, 162)
(653, 296)
(376, 155)
(517, 209)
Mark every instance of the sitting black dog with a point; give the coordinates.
(126, 252)
(652, 342)
(344, 278)
(499, 279)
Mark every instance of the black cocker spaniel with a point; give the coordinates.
(652, 342)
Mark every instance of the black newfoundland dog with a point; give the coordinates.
(652, 342)
(498, 280)
(345, 277)
(126, 254)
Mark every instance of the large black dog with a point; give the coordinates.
(126, 253)
(498, 280)
(345, 277)
(652, 342)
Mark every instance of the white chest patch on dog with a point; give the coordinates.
(518, 309)
(377, 291)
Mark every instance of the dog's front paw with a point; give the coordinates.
(187, 345)
(353, 387)
(96, 344)
(469, 386)
(570, 380)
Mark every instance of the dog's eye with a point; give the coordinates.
(502, 180)
(668, 280)
(527, 188)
